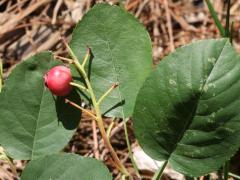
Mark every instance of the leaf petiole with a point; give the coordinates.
(159, 172)
(80, 108)
(130, 149)
(79, 86)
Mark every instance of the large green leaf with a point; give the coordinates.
(32, 121)
(65, 166)
(121, 52)
(187, 111)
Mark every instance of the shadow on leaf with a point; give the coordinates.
(67, 114)
(121, 103)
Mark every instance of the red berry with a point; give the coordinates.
(58, 80)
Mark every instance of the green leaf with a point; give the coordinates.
(187, 111)
(65, 166)
(32, 120)
(121, 53)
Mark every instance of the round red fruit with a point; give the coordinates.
(58, 80)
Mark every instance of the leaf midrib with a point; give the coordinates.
(187, 125)
(39, 112)
(117, 77)
(37, 120)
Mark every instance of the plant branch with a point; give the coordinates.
(95, 140)
(102, 130)
(100, 123)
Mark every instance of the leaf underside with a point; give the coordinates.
(187, 111)
(121, 53)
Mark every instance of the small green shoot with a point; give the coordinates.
(215, 18)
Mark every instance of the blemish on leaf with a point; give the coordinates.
(212, 60)
(172, 82)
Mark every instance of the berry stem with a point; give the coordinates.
(79, 86)
(130, 152)
(159, 172)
